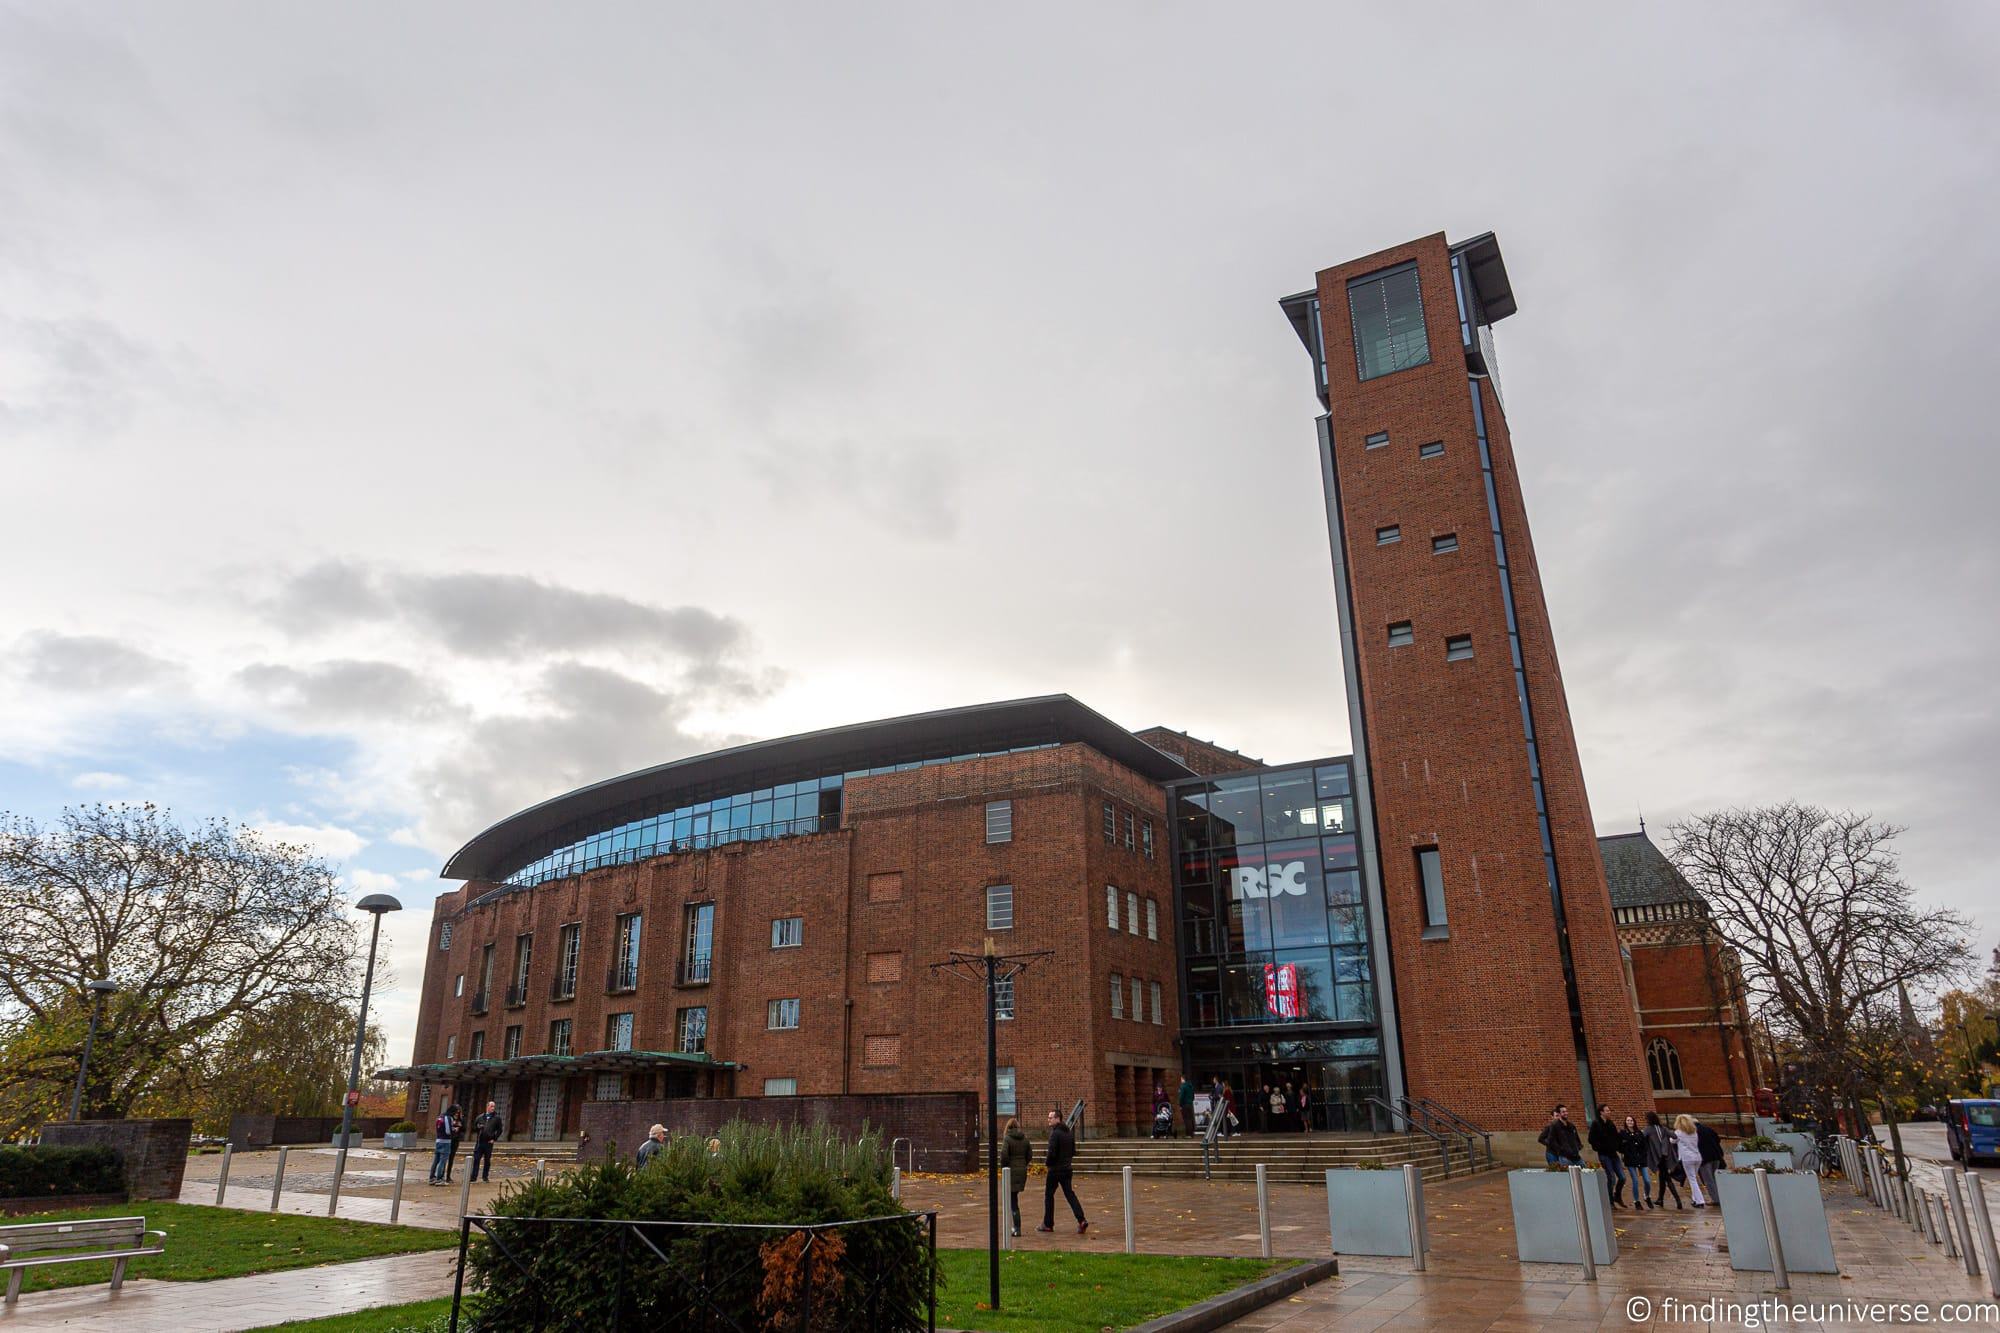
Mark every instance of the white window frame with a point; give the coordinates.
(1131, 830)
(776, 1011)
(797, 932)
(1007, 1091)
(612, 1033)
(1146, 838)
(1000, 896)
(444, 938)
(686, 1020)
(451, 1047)
(781, 1087)
(999, 821)
(1111, 905)
(1152, 918)
(1158, 1018)
(1118, 995)
(1003, 999)
(1131, 912)
(1138, 1005)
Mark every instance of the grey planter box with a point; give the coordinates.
(1801, 1216)
(1800, 1144)
(1770, 1161)
(1768, 1125)
(1545, 1217)
(353, 1139)
(1370, 1212)
(401, 1142)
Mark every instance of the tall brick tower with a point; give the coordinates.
(1509, 989)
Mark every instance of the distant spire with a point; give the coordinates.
(1642, 819)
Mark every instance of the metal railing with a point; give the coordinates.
(1075, 1118)
(479, 1001)
(694, 971)
(1396, 1113)
(558, 1274)
(1457, 1122)
(517, 994)
(561, 988)
(621, 977)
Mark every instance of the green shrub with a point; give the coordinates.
(50, 1172)
(1762, 1143)
(1369, 1164)
(570, 1274)
(403, 1127)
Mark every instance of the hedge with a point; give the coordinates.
(877, 1276)
(44, 1172)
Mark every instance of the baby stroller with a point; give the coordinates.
(1163, 1121)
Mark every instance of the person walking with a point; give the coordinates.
(486, 1131)
(1187, 1103)
(1560, 1145)
(1687, 1150)
(1061, 1152)
(457, 1117)
(1305, 1110)
(1710, 1144)
(1663, 1159)
(1632, 1151)
(656, 1139)
(441, 1145)
(1017, 1154)
(1604, 1142)
(1274, 1098)
(1230, 1124)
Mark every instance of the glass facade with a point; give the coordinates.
(1278, 982)
(1388, 314)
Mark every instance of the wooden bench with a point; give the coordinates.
(119, 1239)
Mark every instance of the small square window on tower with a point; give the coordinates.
(1444, 543)
(1401, 635)
(1458, 648)
(1378, 440)
(1435, 449)
(1391, 532)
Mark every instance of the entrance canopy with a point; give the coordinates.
(552, 1066)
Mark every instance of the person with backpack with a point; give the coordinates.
(1017, 1154)
(441, 1129)
(1664, 1159)
(1061, 1153)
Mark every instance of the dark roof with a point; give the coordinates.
(1047, 719)
(1488, 271)
(532, 1066)
(1640, 873)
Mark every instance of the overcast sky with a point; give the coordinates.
(411, 411)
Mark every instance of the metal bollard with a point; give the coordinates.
(465, 1197)
(1582, 1224)
(1975, 1194)
(1263, 1213)
(396, 1199)
(1006, 1201)
(222, 1181)
(541, 1169)
(1771, 1237)
(1945, 1227)
(1413, 1191)
(1926, 1222)
(278, 1181)
(896, 1183)
(339, 1170)
(1129, 1247)
(1954, 1184)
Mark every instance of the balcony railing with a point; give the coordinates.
(479, 1001)
(517, 995)
(618, 979)
(693, 971)
(561, 988)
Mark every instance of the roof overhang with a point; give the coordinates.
(551, 1066)
(1488, 271)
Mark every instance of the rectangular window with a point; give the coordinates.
(424, 1097)
(1152, 918)
(1444, 544)
(444, 938)
(691, 1030)
(1003, 998)
(559, 1032)
(1430, 874)
(1004, 1099)
(1117, 995)
(883, 1052)
(1146, 838)
(1138, 1001)
(511, 1046)
(788, 932)
(1387, 310)
(695, 958)
(1435, 449)
(781, 1015)
(1458, 647)
(451, 1048)
(1111, 905)
(458, 985)
(999, 906)
(1110, 825)
(1401, 635)
(609, 1088)
(1386, 535)
(1131, 830)
(1158, 1019)
(781, 1087)
(524, 953)
(569, 945)
(999, 821)
(478, 1051)
(1132, 913)
(625, 964)
(618, 1032)
(483, 996)
(1379, 439)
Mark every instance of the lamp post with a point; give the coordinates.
(98, 989)
(375, 904)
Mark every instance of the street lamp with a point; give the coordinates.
(98, 989)
(375, 904)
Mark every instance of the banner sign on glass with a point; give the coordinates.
(1281, 989)
(1269, 881)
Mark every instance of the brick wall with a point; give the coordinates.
(154, 1151)
(1684, 988)
(943, 1127)
(1204, 757)
(259, 1131)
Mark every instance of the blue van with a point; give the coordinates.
(1973, 1126)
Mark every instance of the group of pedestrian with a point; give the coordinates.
(1652, 1159)
(1058, 1160)
(1287, 1108)
(449, 1129)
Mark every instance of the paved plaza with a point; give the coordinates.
(1473, 1281)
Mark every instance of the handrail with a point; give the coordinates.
(1434, 1121)
(1444, 1147)
(1452, 1117)
(1075, 1117)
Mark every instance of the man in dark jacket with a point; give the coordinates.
(1604, 1142)
(486, 1131)
(1061, 1152)
(1710, 1144)
(1559, 1141)
(1187, 1103)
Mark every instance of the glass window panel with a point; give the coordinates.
(1294, 894)
(1248, 909)
(1340, 853)
(1191, 831)
(1237, 809)
(1289, 802)
(1300, 987)
(1356, 1003)
(1204, 996)
(1243, 992)
(1346, 923)
(1388, 322)
(1343, 888)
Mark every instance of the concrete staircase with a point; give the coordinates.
(1294, 1158)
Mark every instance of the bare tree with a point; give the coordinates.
(200, 927)
(1815, 906)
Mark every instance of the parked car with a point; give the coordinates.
(1972, 1125)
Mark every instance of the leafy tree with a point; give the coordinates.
(1827, 933)
(204, 928)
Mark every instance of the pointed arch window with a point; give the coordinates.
(1664, 1063)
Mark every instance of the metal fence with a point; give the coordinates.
(562, 1274)
(1940, 1201)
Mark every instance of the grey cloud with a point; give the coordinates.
(85, 664)
(346, 689)
(909, 488)
(80, 377)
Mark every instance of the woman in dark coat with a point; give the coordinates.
(1635, 1152)
(1665, 1160)
(1016, 1154)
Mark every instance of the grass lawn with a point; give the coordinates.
(204, 1243)
(1038, 1290)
